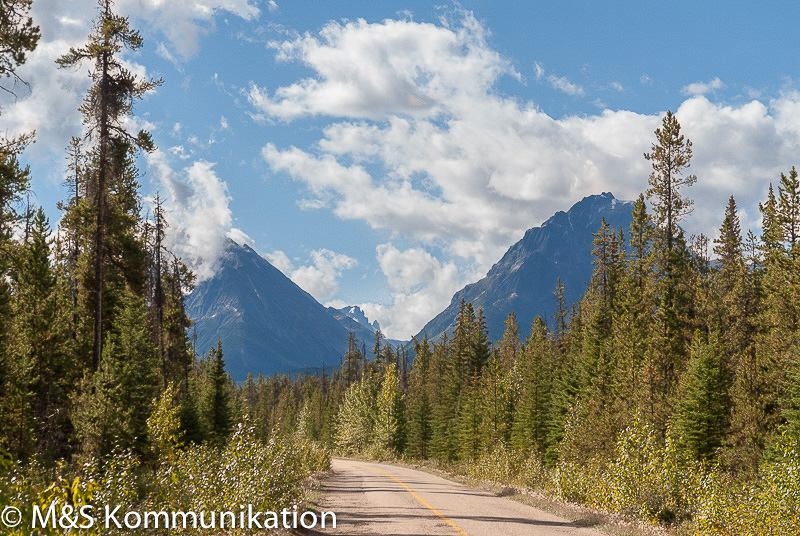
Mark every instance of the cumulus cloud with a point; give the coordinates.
(419, 285)
(281, 261)
(320, 277)
(420, 144)
(405, 73)
(701, 88)
(199, 218)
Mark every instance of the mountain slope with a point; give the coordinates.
(523, 281)
(266, 322)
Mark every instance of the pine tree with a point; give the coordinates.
(480, 348)
(789, 208)
(631, 325)
(18, 37)
(531, 428)
(670, 156)
(44, 342)
(420, 426)
(105, 110)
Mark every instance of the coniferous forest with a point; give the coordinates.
(670, 393)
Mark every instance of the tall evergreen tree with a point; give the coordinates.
(116, 401)
(789, 208)
(670, 155)
(215, 403)
(105, 110)
(702, 414)
(43, 338)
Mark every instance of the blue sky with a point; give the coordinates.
(387, 153)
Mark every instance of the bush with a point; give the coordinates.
(769, 506)
(268, 476)
(508, 466)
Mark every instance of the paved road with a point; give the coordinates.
(372, 498)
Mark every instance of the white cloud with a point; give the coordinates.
(406, 270)
(321, 277)
(185, 22)
(419, 285)
(470, 170)
(701, 88)
(281, 261)
(560, 83)
(240, 237)
(406, 74)
(538, 70)
(198, 213)
(272, 6)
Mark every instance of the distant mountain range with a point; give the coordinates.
(268, 324)
(524, 280)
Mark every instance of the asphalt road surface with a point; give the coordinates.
(372, 498)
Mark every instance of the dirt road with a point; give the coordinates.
(372, 498)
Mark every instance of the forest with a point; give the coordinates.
(669, 394)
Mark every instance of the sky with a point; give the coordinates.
(385, 154)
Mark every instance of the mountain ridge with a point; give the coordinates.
(524, 279)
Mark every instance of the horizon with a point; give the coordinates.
(387, 156)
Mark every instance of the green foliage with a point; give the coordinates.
(164, 426)
(115, 402)
(18, 36)
(214, 397)
(355, 421)
(768, 506)
(390, 421)
(702, 415)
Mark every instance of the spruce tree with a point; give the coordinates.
(215, 402)
(43, 338)
(116, 401)
(702, 415)
(789, 208)
(18, 36)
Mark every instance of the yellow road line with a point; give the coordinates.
(422, 501)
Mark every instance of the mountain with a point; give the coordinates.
(354, 312)
(266, 322)
(523, 281)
